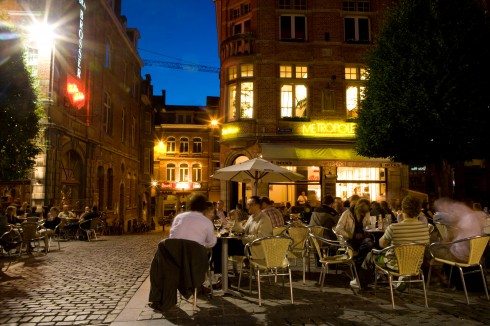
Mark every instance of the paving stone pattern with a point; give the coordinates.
(86, 283)
(90, 283)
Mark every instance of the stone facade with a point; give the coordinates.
(96, 111)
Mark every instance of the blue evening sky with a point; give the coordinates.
(181, 31)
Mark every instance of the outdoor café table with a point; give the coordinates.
(376, 234)
(224, 263)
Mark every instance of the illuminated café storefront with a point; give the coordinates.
(330, 165)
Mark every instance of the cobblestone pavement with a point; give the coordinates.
(86, 283)
(106, 282)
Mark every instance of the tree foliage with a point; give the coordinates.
(19, 112)
(427, 95)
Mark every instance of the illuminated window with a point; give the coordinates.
(170, 172)
(171, 145)
(355, 73)
(293, 100)
(107, 114)
(197, 145)
(247, 70)
(240, 93)
(294, 96)
(232, 73)
(353, 97)
(355, 89)
(184, 145)
(293, 71)
(293, 28)
(184, 172)
(356, 30)
(196, 172)
(365, 182)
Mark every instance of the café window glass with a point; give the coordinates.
(366, 182)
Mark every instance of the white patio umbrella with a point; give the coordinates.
(256, 170)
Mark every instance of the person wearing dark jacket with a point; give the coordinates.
(178, 264)
(326, 216)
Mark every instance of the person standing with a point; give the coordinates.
(302, 199)
(220, 211)
(274, 214)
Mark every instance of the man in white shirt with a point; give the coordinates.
(193, 225)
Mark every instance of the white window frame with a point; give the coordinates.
(184, 145)
(240, 93)
(293, 30)
(171, 144)
(357, 31)
(196, 172)
(183, 172)
(170, 172)
(197, 145)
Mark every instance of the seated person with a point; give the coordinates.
(351, 228)
(32, 212)
(194, 225)
(325, 216)
(10, 213)
(461, 222)
(52, 221)
(87, 216)
(409, 230)
(274, 214)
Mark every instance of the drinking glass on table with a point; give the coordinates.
(217, 224)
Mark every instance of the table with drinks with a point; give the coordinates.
(377, 227)
(224, 234)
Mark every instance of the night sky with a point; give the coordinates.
(181, 31)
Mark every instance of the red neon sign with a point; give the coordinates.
(75, 95)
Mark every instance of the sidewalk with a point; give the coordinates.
(337, 305)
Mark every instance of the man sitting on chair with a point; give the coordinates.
(409, 230)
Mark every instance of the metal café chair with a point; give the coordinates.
(477, 246)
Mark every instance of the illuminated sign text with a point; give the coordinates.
(329, 128)
(80, 39)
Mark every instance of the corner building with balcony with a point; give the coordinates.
(98, 128)
(292, 76)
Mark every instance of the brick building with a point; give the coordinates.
(98, 127)
(292, 74)
(186, 153)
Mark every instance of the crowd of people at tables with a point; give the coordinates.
(405, 221)
(48, 223)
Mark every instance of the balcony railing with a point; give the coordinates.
(239, 44)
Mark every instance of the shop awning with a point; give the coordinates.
(311, 152)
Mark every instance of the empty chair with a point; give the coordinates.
(299, 248)
(268, 258)
(477, 246)
(409, 258)
(10, 240)
(33, 233)
(331, 252)
(90, 227)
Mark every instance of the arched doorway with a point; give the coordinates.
(72, 181)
